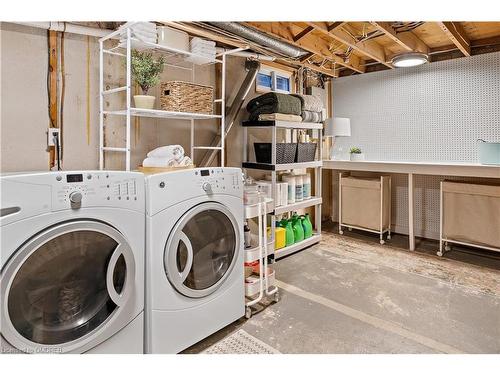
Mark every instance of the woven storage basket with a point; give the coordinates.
(285, 152)
(305, 152)
(179, 96)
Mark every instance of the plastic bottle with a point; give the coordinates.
(299, 188)
(307, 225)
(306, 183)
(289, 237)
(290, 180)
(298, 230)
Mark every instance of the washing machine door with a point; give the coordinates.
(201, 250)
(65, 288)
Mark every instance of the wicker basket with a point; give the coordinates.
(305, 152)
(179, 96)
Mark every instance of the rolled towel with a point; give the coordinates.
(310, 116)
(159, 162)
(185, 161)
(175, 152)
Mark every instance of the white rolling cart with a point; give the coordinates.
(260, 250)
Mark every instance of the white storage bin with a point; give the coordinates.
(173, 38)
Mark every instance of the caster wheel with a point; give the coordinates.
(382, 242)
(341, 232)
(447, 248)
(276, 297)
(349, 229)
(439, 254)
(248, 313)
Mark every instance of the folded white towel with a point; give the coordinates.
(159, 162)
(175, 152)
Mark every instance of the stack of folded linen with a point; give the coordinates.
(313, 109)
(143, 31)
(167, 156)
(203, 49)
(275, 104)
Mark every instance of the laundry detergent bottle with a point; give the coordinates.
(307, 225)
(289, 237)
(298, 230)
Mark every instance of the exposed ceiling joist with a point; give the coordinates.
(335, 25)
(368, 48)
(407, 39)
(303, 33)
(308, 42)
(457, 35)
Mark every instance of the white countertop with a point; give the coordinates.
(416, 167)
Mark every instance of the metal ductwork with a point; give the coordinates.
(252, 68)
(260, 38)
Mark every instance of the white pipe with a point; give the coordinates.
(252, 55)
(69, 28)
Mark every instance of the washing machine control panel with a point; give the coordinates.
(218, 181)
(97, 188)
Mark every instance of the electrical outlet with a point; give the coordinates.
(51, 134)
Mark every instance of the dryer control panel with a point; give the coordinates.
(167, 189)
(217, 181)
(97, 188)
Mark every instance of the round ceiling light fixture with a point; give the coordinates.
(410, 59)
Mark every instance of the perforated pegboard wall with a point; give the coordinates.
(431, 113)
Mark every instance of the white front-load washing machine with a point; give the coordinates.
(72, 262)
(194, 256)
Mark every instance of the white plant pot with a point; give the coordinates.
(144, 101)
(357, 157)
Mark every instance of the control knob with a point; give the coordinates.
(207, 187)
(75, 198)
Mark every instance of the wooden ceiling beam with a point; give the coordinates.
(303, 33)
(308, 42)
(406, 39)
(335, 25)
(368, 48)
(457, 35)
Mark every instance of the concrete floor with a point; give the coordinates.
(349, 294)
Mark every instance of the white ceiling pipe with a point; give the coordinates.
(69, 28)
(251, 55)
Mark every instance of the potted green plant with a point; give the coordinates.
(146, 71)
(356, 154)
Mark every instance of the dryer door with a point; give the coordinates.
(202, 249)
(65, 287)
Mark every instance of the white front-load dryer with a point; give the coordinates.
(194, 256)
(72, 262)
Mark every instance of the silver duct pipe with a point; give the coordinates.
(252, 67)
(260, 38)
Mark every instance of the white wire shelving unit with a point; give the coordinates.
(316, 199)
(175, 58)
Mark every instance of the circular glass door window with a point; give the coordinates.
(201, 251)
(60, 291)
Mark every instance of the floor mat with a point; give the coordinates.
(240, 342)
